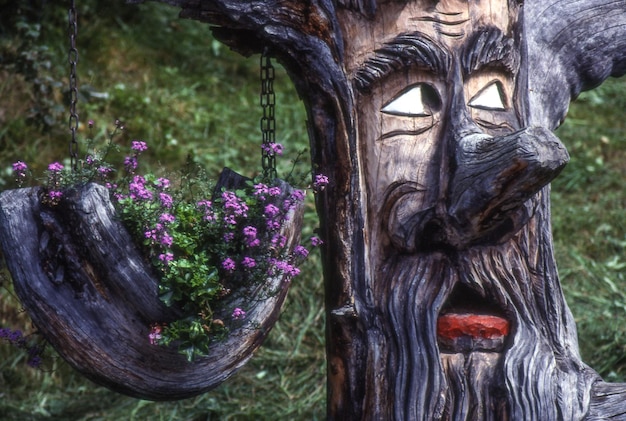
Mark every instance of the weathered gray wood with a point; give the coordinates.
(93, 295)
(387, 284)
(415, 223)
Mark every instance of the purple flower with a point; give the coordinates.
(166, 240)
(55, 195)
(228, 264)
(209, 215)
(289, 204)
(230, 219)
(271, 211)
(274, 191)
(166, 257)
(272, 149)
(301, 251)
(298, 195)
(163, 183)
(320, 182)
(20, 167)
(104, 170)
(284, 267)
(272, 224)
(261, 190)
(167, 218)
(228, 237)
(235, 205)
(55, 167)
(238, 314)
(250, 233)
(279, 240)
(130, 163)
(15, 336)
(166, 200)
(316, 241)
(137, 189)
(138, 145)
(248, 262)
(204, 203)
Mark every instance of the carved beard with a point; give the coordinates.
(529, 380)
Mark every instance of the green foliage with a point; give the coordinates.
(589, 224)
(204, 248)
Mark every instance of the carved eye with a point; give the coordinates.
(491, 97)
(419, 100)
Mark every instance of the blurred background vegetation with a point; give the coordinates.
(189, 97)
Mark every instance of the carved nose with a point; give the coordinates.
(493, 180)
(488, 194)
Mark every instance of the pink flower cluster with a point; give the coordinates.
(320, 182)
(55, 175)
(131, 161)
(238, 314)
(272, 149)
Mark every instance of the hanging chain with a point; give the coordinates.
(268, 121)
(73, 59)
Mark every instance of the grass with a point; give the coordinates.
(589, 222)
(188, 96)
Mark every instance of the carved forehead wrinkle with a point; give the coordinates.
(406, 50)
(488, 47)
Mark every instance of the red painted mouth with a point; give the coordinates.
(470, 322)
(458, 332)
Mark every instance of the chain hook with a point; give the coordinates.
(73, 60)
(268, 121)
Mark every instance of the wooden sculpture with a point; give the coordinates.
(433, 121)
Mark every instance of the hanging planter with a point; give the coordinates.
(93, 295)
(178, 311)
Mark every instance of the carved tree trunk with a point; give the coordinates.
(432, 120)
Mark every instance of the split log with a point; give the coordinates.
(93, 295)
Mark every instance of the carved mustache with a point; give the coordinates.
(486, 200)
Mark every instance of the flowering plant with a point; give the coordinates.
(17, 339)
(205, 243)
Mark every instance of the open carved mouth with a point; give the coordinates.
(468, 322)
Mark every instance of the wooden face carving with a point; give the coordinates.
(455, 195)
(444, 83)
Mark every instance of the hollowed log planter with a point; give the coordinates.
(93, 295)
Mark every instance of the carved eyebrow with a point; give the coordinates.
(410, 49)
(487, 48)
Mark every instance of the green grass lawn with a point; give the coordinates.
(190, 97)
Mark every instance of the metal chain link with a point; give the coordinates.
(268, 121)
(73, 59)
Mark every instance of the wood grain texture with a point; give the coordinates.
(449, 210)
(93, 295)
